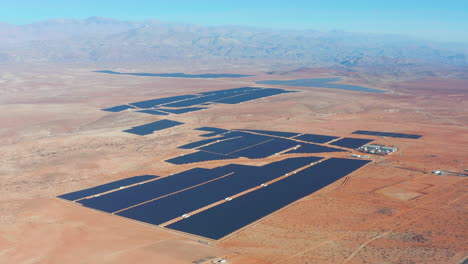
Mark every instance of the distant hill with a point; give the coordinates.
(99, 39)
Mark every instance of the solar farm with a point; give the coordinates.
(255, 144)
(175, 171)
(215, 203)
(387, 134)
(184, 103)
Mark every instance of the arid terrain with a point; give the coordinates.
(55, 140)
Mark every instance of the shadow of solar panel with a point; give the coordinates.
(121, 199)
(273, 133)
(154, 102)
(313, 148)
(152, 127)
(182, 110)
(252, 96)
(221, 220)
(153, 112)
(233, 90)
(118, 108)
(315, 138)
(243, 140)
(173, 206)
(352, 143)
(215, 131)
(266, 149)
(106, 187)
(387, 134)
(199, 156)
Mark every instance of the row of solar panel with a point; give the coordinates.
(219, 221)
(152, 127)
(231, 179)
(235, 144)
(312, 138)
(164, 199)
(106, 187)
(164, 111)
(170, 207)
(228, 96)
(387, 134)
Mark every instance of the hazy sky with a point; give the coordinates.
(443, 20)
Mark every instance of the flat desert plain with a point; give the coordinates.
(56, 140)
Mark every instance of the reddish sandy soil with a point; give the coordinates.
(56, 140)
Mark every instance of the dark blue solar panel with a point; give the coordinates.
(266, 149)
(151, 127)
(106, 187)
(173, 206)
(313, 148)
(199, 156)
(182, 110)
(197, 144)
(315, 138)
(153, 112)
(165, 100)
(199, 100)
(118, 108)
(395, 135)
(351, 142)
(215, 131)
(273, 133)
(235, 144)
(223, 219)
(414, 136)
(233, 90)
(363, 132)
(288, 165)
(387, 134)
(251, 96)
(124, 198)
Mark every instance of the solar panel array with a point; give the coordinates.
(273, 133)
(223, 219)
(387, 134)
(213, 131)
(152, 127)
(181, 110)
(153, 112)
(137, 194)
(118, 108)
(166, 199)
(161, 101)
(351, 143)
(167, 208)
(208, 192)
(106, 187)
(252, 144)
(184, 103)
(159, 200)
(199, 156)
(314, 138)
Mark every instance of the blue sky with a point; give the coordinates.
(437, 20)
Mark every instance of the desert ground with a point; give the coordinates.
(55, 140)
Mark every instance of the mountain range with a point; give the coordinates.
(98, 39)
